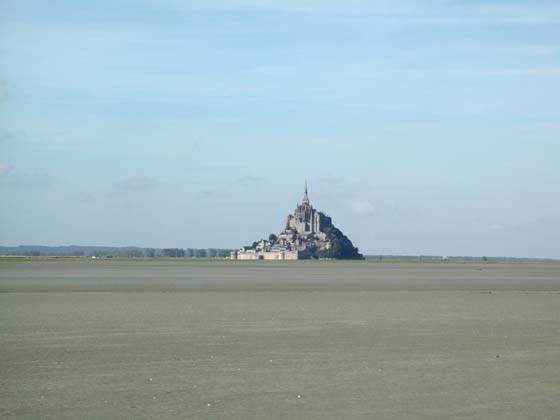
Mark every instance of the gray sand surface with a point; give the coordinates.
(300, 340)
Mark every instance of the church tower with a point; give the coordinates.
(305, 196)
(306, 220)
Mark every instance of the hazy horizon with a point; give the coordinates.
(195, 248)
(421, 127)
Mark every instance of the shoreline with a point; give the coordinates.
(54, 258)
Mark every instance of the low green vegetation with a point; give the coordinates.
(341, 247)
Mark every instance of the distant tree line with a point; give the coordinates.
(190, 253)
(171, 253)
(114, 252)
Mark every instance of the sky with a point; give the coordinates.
(421, 127)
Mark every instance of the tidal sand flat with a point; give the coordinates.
(289, 340)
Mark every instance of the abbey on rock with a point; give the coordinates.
(309, 233)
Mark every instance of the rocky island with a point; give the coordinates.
(308, 234)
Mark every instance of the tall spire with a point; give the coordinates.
(305, 197)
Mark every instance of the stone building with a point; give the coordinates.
(307, 221)
(304, 233)
(252, 254)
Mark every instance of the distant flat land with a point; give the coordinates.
(288, 340)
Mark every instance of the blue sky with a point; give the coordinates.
(421, 126)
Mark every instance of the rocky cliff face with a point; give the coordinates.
(329, 243)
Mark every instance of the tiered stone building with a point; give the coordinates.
(308, 221)
(306, 234)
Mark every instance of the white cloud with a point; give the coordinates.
(393, 12)
(135, 184)
(296, 6)
(5, 169)
(250, 180)
(363, 207)
(5, 92)
(15, 178)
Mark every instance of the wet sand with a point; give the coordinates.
(301, 340)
